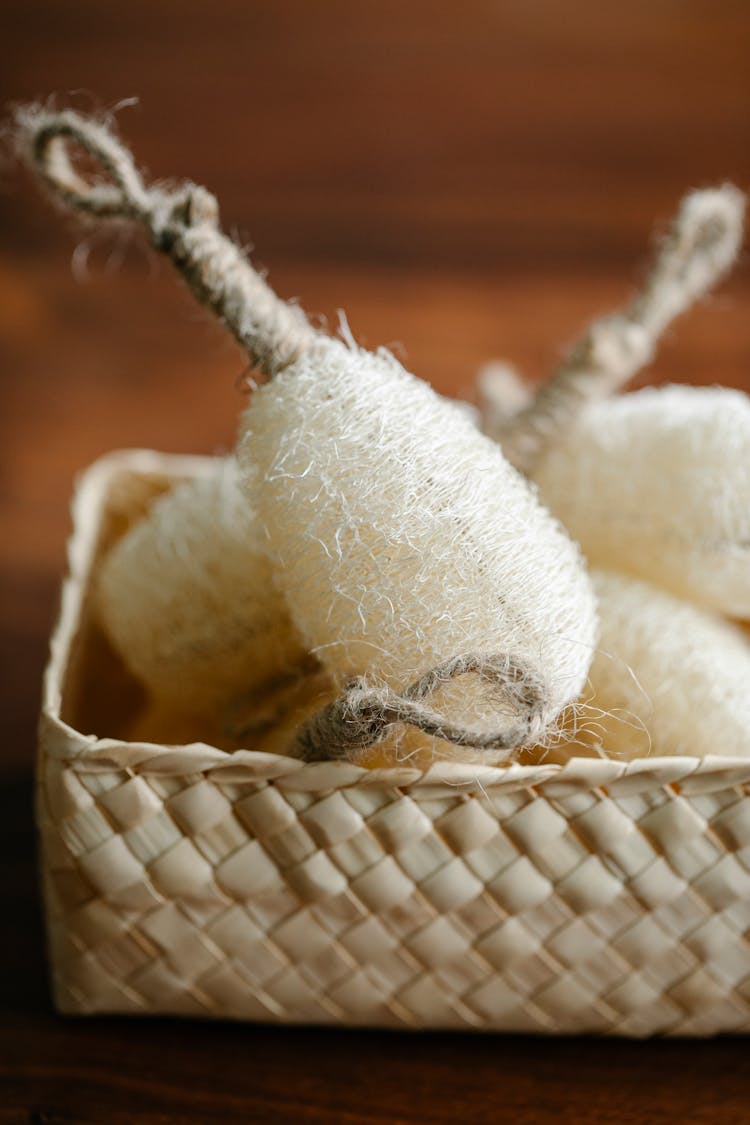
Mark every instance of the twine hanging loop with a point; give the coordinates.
(364, 714)
(182, 222)
(701, 246)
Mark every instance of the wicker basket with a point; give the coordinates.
(596, 897)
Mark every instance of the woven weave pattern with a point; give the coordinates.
(600, 896)
(516, 910)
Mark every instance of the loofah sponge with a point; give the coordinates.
(401, 536)
(657, 484)
(669, 678)
(408, 551)
(188, 600)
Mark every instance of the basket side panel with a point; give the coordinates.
(365, 906)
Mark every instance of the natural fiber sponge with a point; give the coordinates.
(657, 484)
(669, 678)
(187, 597)
(401, 536)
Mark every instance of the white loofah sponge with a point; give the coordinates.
(669, 678)
(187, 598)
(401, 536)
(406, 545)
(657, 484)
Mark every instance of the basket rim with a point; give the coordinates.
(91, 753)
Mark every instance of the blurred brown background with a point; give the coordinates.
(468, 180)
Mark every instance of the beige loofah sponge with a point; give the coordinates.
(657, 484)
(401, 536)
(188, 600)
(408, 551)
(668, 678)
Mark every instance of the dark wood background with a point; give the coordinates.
(467, 180)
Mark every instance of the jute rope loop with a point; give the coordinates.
(702, 245)
(182, 222)
(363, 715)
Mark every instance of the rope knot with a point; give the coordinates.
(365, 708)
(173, 213)
(193, 206)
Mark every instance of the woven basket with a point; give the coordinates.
(595, 897)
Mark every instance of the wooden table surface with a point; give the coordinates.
(465, 185)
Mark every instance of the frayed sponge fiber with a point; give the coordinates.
(657, 484)
(400, 536)
(188, 599)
